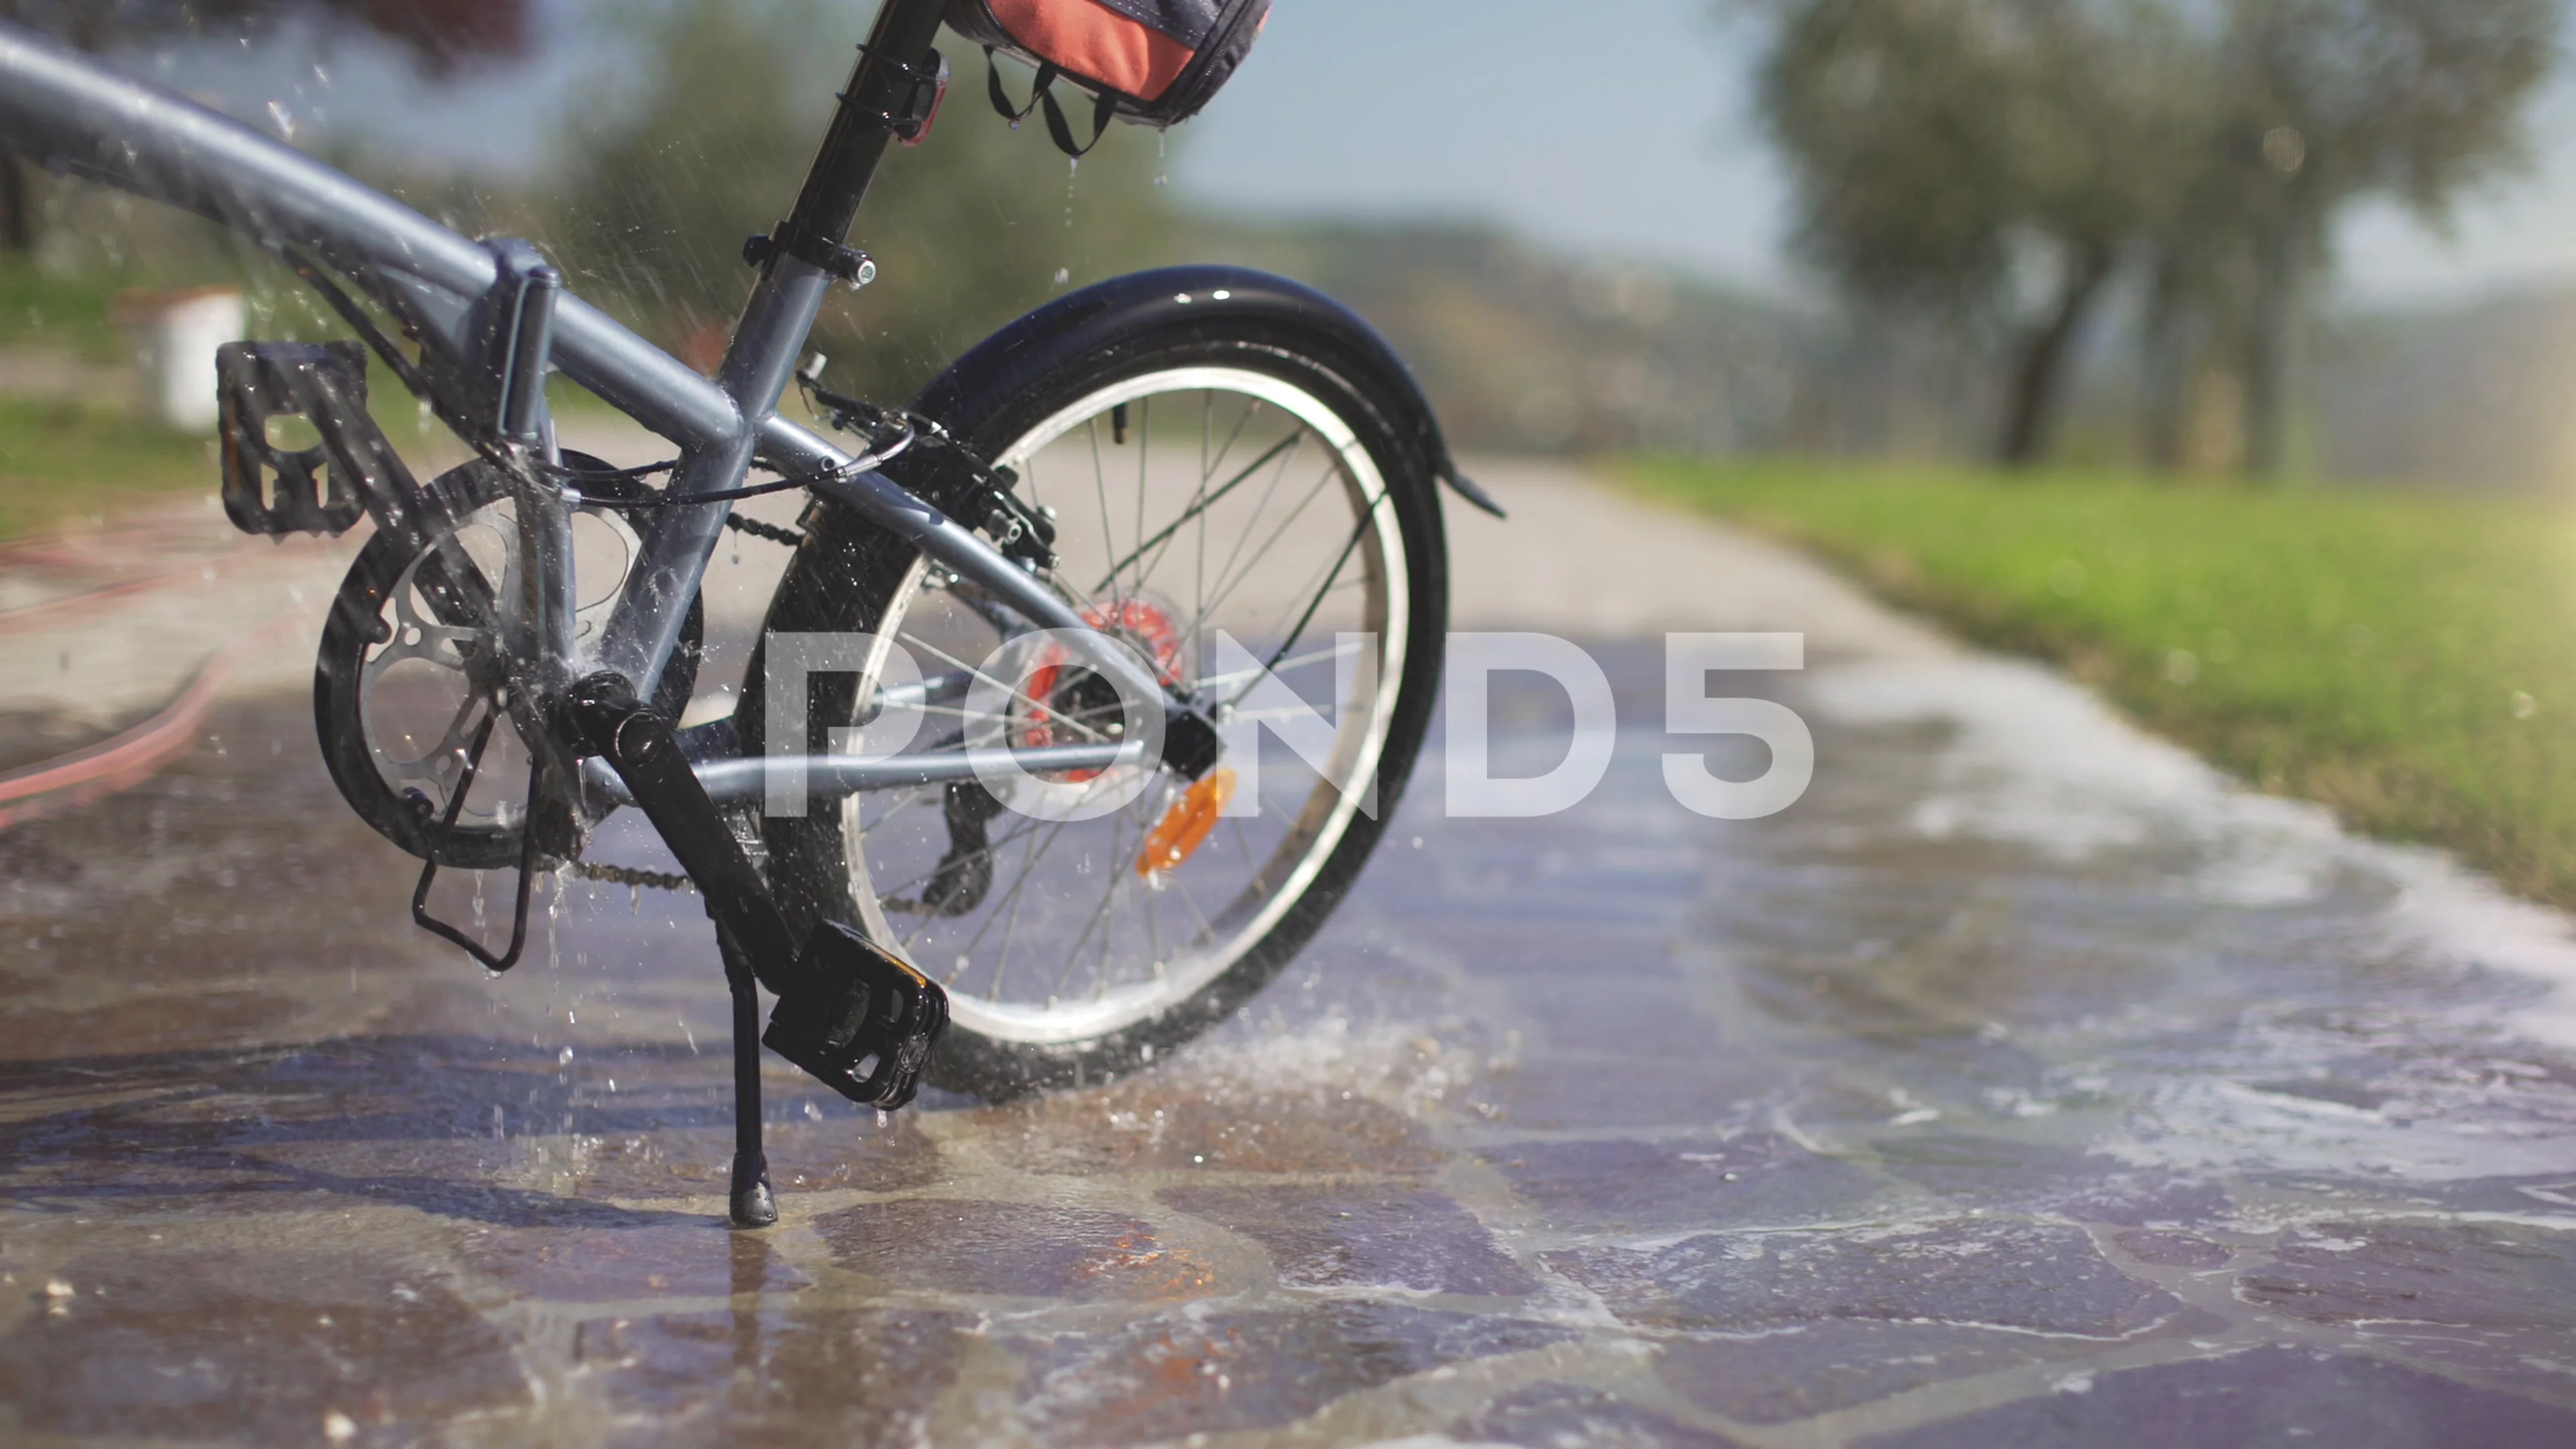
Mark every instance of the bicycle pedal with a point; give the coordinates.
(275, 490)
(858, 1019)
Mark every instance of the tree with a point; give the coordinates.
(718, 107)
(1991, 160)
(443, 33)
(2002, 160)
(2329, 101)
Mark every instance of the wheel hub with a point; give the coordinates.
(1066, 702)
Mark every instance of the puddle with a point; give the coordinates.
(2026, 1083)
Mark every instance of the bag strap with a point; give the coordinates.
(1042, 97)
(1002, 99)
(1104, 110)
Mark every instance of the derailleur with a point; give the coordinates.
(964, 875)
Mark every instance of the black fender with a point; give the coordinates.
(1107, 315)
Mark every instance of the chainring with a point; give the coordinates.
(391, 632)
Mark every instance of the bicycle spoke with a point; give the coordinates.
(1108, 532)
(1063, 902)
(931, 917)
(1197, 510)
(1323, 579)
(1207, 469)
(1303, 661)
(1014, 896)
(911, 796)
(1340, 561)
(1073, 953)
(1144, 453)
(1028, 872)
(1226, 569)
(1207, 930)
(990, 847)
(1235, 579)
(1153, 942)
(1048, 710)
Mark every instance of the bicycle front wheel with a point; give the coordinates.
(1221, 501)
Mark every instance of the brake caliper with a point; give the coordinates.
(943, 472)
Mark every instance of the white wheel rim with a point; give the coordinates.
(1231, 931)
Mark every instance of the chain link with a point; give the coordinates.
(627, 875)
(758, 529)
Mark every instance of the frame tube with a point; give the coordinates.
(78, 117)
(676, 545)
(831, 777)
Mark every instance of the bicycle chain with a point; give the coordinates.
(758, 529)
(631, 876)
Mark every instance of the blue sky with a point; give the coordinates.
(1617, 127)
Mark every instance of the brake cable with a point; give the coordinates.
(880, 451)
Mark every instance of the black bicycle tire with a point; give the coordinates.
(841, 580)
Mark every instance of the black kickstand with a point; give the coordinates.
(754, 1205)
(843, 1003)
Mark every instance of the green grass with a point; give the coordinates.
(2405, 658)
(71, 458)
(67, 313)
(64, 460)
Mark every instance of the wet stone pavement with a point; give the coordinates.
(2023, 1085)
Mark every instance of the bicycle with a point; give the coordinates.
(1059, 524)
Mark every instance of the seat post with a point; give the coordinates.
(847, 160)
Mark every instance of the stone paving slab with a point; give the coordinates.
(1979, 1099)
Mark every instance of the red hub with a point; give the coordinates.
(1066, 702)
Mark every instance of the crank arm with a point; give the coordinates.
(848, 1012)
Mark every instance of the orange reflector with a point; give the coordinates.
(1186, 826)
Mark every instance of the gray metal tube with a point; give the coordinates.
(65, 110)
(884, 502)
(678, 541)
(68, 111)
(829, 777)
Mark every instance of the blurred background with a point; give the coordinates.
(2281, 238)
(2216, 350)
(2215, 353)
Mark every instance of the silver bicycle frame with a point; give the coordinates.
(76, 117)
